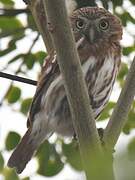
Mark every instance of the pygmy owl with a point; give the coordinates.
(97, 34)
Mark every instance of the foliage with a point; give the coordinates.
(50, 160)
(12, 140)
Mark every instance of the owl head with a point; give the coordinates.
(96, 25)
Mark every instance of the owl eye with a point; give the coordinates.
(80, 24)
(103, 25)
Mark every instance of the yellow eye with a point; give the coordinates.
(80, 24)
(103, 25)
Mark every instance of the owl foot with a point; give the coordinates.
(26, 1)
(75, 137)
(101, 134)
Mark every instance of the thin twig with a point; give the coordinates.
(17, 78)
(119, 116)
(18, 70)
(30, 49)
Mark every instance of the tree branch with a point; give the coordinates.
(119, 116)
(39, 14)
(82, 116)
(13, 12)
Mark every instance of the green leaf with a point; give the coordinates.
(126, 129)
(131, 120)
(106, 112)
(128, 50)
(126, 17)
(10, 175)
(26, 178)
(31, 22)
(7, 2)
(18, 57)
(20, 34)
(71, 152)
(54, 166)
(14, 94)
(43, 149)
(25, 105)
(131, 149)
(8, 50)
(104, 115)
(123, 71)
(29, 60)
(1, 162)
(133, 1)
(40, 57)
(12, 140)
(117, 2)
(49, 160)
(8, 24)
(16, 33)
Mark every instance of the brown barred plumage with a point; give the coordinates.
(97, 34)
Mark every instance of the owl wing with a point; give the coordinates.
(48, 73)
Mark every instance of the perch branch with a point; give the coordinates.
(119, 116)
(37, 9)
(82, 116)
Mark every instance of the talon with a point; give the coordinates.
(26, 1)
(101, 134)
(75, 137)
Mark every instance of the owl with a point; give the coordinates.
(97, 34)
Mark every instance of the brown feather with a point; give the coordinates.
(23, 153)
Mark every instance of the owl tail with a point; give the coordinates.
(24, 151)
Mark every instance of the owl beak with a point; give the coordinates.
(90, 35)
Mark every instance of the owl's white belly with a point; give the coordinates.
(56, 113)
